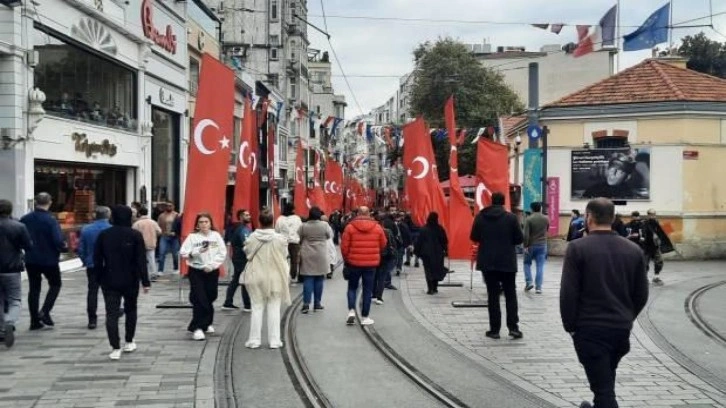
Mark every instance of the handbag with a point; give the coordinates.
(249, 260)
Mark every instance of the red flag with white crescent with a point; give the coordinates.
(317, 195)
(492, 172)
(422, 187)
(333, 185)
(460, 217)
(256, 164)
(300, 189)
(276, 211)
(246, 163)
(209, 152)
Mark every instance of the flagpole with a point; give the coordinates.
(617, 37)
(670, 27)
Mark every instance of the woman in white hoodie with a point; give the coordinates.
(267, 279)
(204, 251)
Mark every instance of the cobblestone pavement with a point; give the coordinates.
(544, 362)
(68, 366)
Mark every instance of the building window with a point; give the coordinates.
(193, 76)
(275, 40)
(611, 142)
(165, 156)
(274, 80)
(82, 85)
(273, 10)
(273, 54)
(293, 88)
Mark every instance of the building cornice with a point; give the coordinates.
(633, 110)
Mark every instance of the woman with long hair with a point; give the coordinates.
(267, 278)
(314, 265)
(431, 247)
(204, 251)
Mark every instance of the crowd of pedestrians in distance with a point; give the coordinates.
(603, 289)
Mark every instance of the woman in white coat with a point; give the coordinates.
(267, 279)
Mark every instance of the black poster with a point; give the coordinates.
(618, 174)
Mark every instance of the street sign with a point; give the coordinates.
(534, 131)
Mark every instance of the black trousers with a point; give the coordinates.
(432, 285)
(35, 274)
(239, 267)
(599, 350)
(92, 295)
(496, 283)
(294, 251)
(202, 294)
(112, 298)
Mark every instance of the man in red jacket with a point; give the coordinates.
(363, 241)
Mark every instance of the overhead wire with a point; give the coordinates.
(337, 60)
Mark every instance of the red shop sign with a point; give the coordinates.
(167, 40)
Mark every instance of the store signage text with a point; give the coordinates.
(84, 146)
(166, 40)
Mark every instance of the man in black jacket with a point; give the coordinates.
(498, 233)
(14, 239)
(120, 261)
(604, 287)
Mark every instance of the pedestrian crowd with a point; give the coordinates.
(603, 288)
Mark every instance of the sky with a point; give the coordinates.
(384, 48)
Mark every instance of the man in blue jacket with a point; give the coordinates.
(89, 235)
(42, 260)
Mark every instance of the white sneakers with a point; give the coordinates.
(252, 344)
(276, 345)
(128, 348)
(210, 329)
(351, 317)
(367, 321)
(198, 335)
(378, 301)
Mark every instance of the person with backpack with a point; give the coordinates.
(388, 262)
(431, 247)
(577, 226)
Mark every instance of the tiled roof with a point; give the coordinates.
(650, 81)
(509, 123)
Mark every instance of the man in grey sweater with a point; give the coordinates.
(604, 288)
(535, 246)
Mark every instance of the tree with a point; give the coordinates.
(704, 55)
(447, 68)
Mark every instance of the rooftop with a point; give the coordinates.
(652, 80)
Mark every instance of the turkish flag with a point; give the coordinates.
(276, 211)
(333, 185)
(210, 149)
(317, 196)
(422, 187)
(300, 189)
(256, 160)
(460, 218)
(246, 163)
(492, 172)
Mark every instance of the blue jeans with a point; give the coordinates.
(10, 295)
(383, 276)
(355, 275)
(538, 253)
(312, 284)
(168, 244)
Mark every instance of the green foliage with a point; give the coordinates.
(480, 94)
(704, 55)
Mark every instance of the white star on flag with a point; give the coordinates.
(224, 142)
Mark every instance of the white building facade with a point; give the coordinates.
(94, 99)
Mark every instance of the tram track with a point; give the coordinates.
(661, 341)
(311, 393)
(693, 311)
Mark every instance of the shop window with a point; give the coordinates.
(165, 156)
(83, 85)
(77, 189)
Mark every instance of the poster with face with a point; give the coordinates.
(617, 174)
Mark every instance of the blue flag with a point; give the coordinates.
(653, 31)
